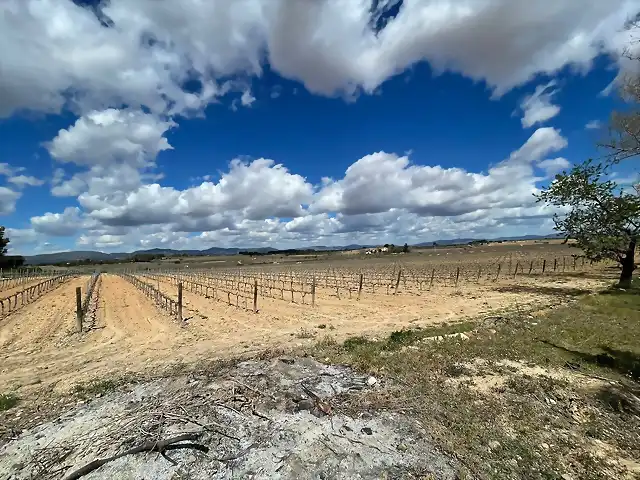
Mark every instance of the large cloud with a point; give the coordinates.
(62, 224)
(116, 151)
(257, 190)
(395, 226)
(112, 136)
(143, 52)
(382, 181)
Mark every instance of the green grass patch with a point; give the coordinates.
(402, 338)
(354, 343)
(7, 401)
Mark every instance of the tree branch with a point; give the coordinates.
(150, 446)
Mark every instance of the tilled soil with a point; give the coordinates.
(40, 349)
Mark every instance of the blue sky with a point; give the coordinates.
(286, 136)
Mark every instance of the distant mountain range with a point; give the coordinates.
(458, 241)
(72, 256)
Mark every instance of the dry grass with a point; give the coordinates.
(526, 396)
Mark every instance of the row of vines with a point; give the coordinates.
(11, 303)
(242, 287)
(173, 307)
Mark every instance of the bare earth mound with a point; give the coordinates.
(261, 419)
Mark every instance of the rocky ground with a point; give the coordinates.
(277, 418)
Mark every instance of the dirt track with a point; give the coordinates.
(41, 323)
(39, 344)
(39, 347)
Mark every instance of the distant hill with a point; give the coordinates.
(50, 258)
(463, 241)
(46, 258)
(452, 241)
(532, 237)
(164, 251)
(61, 257)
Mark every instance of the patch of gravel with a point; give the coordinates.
(275, 419)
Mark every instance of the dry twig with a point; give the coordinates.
(160, 446)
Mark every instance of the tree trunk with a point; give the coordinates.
(628, 265)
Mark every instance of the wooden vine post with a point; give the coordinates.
(180, 301)
(398, 281)
(255, 296)
(360, 285)
(313, 291)
(79, 309)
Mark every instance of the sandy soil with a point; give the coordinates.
(39, 348)
(42, 323)
(38, 344)
(280, 320)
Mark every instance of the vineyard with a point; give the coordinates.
(80, 324)
(243, 287)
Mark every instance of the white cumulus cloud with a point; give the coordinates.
(62, 224)
(384, 181)
(257, 190)
(247, 98)
(59, 54)
(112, 136)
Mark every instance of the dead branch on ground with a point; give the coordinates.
(160, 446)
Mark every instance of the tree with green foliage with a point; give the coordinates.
(4, 241)
(405, 249)
(601, 216)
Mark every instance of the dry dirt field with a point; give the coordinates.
(443, 363)
(126, 332)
